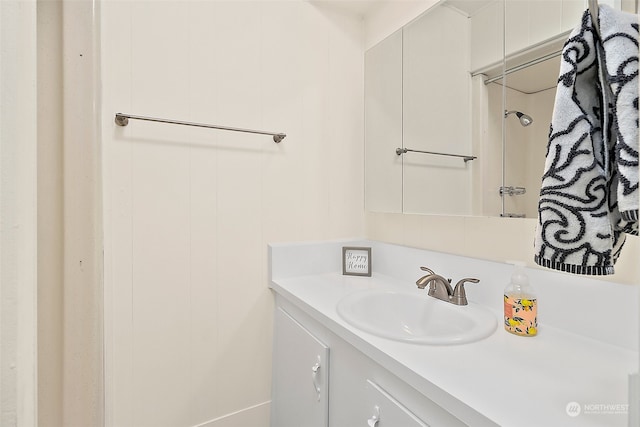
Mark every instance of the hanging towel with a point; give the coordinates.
(619, 35)
(589, 195)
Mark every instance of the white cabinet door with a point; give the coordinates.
(386, 411)
(300, 394)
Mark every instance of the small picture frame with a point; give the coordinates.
(356, 261)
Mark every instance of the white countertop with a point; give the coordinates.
(509, 380)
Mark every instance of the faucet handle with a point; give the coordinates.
(422, 282)
(459, 296)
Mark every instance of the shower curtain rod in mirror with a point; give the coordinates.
(123, 120)
(521, 66)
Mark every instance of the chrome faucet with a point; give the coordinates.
(440, 288)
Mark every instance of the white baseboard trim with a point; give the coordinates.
(253, 416)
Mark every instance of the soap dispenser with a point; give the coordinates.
(520, 304)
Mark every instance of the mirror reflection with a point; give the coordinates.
(531, 94)
(464, 94)
(436, 95)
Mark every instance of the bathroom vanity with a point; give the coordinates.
(328, 372)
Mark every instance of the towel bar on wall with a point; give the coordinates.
(400, 151)
(123, 120)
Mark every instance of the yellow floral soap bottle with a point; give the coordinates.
(520, 304)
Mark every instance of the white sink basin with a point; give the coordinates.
(416, 317)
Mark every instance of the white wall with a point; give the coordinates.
(490, 140)
(83, 384)
(536, 148)
(50, 214)
(526, 148)
(534, 21)
(18, 225)
(189, 212)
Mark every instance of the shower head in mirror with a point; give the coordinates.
(525, 120)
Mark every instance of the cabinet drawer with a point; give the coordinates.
(386, 411)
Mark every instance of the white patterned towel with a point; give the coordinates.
(589, 194)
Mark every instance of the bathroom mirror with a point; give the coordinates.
(529, 98)
(437, 90)
(436, 113)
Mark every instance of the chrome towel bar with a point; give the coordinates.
(123, 120)
(400, 151)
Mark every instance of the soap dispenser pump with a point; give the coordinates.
(520, 304)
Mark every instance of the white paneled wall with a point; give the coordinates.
(528, 23)
(189, 212)
(532, 22)
(18, 225)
